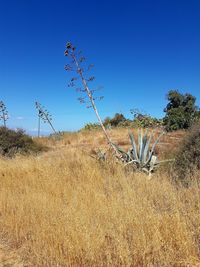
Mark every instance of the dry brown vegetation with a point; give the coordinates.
(63, 208)
(92, 140)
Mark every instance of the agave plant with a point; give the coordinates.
(142, 154)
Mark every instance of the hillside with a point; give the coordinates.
(63, 208)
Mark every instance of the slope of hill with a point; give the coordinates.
(63, 208)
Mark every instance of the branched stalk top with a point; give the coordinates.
(44, 115)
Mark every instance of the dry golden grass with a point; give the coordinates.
(91, 140)
(9, 258)
(63, 208)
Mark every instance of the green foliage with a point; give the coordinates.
(13, 142)
(188, 157)
(91, 127)
(147, 122)
(141, 120)
(181, 111)
(126, 124)
(119, 120)
(142, 153)
(115, 121)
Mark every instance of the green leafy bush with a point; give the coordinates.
(187, 160)
(142, 120)
(126, 124)
(13, 142)
(115, 121)
(181, 111)
(147, 122)
(91, 127)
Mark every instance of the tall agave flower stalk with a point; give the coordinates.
(45, 116)
(141, 156)
(76, 65)
(3, 113)
(142, 153)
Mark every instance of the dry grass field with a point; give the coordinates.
(63, 208)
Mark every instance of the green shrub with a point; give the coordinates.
(181, 111)
(147, 122)
(14, 142)
(115, 121)
(91, 127)
(126, 124)
(142, 120)
(187, 159)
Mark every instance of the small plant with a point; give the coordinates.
(3, 113)
(99, 155)
(187, 159)
(45, 116)
(142, 154)
(14, 142)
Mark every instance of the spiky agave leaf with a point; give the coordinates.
(141, 154)
(140, 143)
(147, 146)
(151, 152)
(134, 147)
(144, 142)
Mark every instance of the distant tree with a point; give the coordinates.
(3, 113)
(115, 121)
(181, 111)
(106, 122)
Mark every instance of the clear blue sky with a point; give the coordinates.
(140, 50)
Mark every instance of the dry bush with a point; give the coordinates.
(188, 156)
(64, 209)
(15, 142)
